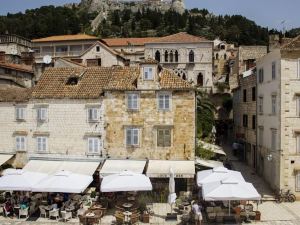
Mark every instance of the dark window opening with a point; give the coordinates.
(217, 56)
(176, 56)
(245, 120)
(171, 56)
(253, 122)
(225, 56)
(191, 56)
(200, 80)
(157, 56)
(244, 95)
(253, 94)
(166, 56)
(97, 48)
(184, 77)
(72, 81)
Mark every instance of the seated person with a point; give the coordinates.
(9, 207)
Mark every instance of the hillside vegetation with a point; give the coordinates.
(50, 20)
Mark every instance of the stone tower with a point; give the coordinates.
(178, 6)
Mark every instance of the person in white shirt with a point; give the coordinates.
(197, 212)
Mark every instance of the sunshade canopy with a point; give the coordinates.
(64, 181)
(229, 189)
(217, 174)
(114, 166)
(126, 181)
(20, 180)
(208, 163)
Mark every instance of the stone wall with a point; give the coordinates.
(181, 120)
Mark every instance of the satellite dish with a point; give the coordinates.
(47, 59)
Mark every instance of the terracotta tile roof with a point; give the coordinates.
(14, 94)
(293, 44)
(72, 37)
(18, 67)
(169, 80)
(72, 62)
(128, 41)
(53, 83)
(181, 37)
(148, 61)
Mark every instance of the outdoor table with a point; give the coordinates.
(91, 218)
(127, 215)
(127, 205)
(95, 207)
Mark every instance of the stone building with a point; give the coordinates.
(190, 57)
(278, 117)
(244, 116)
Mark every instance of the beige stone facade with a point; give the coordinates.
(244, 116)
(278, 121)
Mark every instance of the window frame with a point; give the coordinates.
(42, 117)
(254, 122)
(261, 75)
(147, 70)
(165, 143)
(273, 104)
(164, 94)
(17, 112)
(129, 105)
(133, 142)
(274, 70)
(94, 151)
(244, 95)
(261, 105)
(273, 139)
(253, 94)
(260, 136)
(44, 143)
(18, 146)
(298, 106)
(245, 120)
(93, 110)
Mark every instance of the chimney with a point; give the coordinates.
(2, 56)
(27, 58)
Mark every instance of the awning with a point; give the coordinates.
(53, 166)
(208, 163)
(297, 168)
(117, 166)
(214, 148)
(4, 158)
(161, 168)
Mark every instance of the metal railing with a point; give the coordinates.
(9, 38)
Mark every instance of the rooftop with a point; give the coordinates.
(181, 37)
(71, 37)
(14, 94)
(128, 41)
(18, 67)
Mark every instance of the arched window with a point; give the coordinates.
(191, 56)
(171, 56)
(157, 56)
(166, 56)
(200, 80)
(225, 56)
(176, 56)
(184, 76)
(217, 56)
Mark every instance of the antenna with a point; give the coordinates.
(47, 59)
(283, 27)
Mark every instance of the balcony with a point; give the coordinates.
(58, 54)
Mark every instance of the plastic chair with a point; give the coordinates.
(42, 211)
(54, 213)
(66, 215)
(23, 212)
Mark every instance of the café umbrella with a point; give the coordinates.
(126, 181)
(172, 195)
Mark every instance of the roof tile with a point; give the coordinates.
(71, 37)
(128, 41)
(181, 37)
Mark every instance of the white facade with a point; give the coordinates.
(279, 120)
(65, 131)
(198, 70)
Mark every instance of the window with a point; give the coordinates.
(166, 56)
(20, 113)
(93, 62)
(176, 56)
(244, 95)
(273, 70)
(297, 181)
(191, 56)
(253, 122)
(260, 105)
(273, 104)
(20, 143)
(298, 144)
(225, 56)
(261, 136)
(200, 80)
(42, 144)
(261, 75)
(273, 139)
(94, 145)
(164, 101)
(132, 101)
(217, 56)
(148, 73)
(253, 94)
(132, 137)
(163, 138)
(245, 120)
(97, 48)
(157, 56)
(93, 114)
(298, 105)
(42, 114)
(171, 56)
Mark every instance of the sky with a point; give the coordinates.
(267, 13)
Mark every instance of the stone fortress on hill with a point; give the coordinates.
(104, 6)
